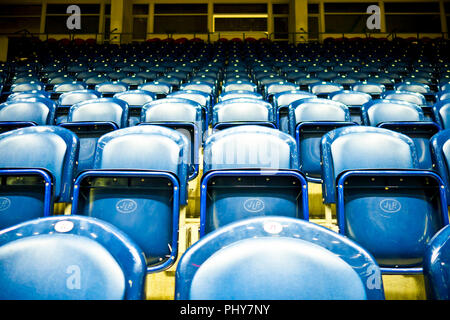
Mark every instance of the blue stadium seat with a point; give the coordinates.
(386, 80)
(413, 97)
(37, 165)
(239, 85)
(175, 82)
(135, 100)
(309, 120)
(345, 81)
(27, 86)
(276, 87)
(139, 191)
(200, 86)
(441, 156)
(241, 111)
(182, 115)
(406, 118)
(108, 89)
(95, 80)
(323, 89)
(326, 75)
(444, 86)
(53, 81)
(372, 88)
(161, 89)
(282, 100)
(68, 99)
(239, 94)
(305, 82)
(412, 87)
(436, 266)
(442, 95)
(353, 100)
(204, 78)
(69, 258)
(91, 119)
(441, 113)
(19, 113)
(278, 258)
(69, 86)
(133, 81)
(250, 170)
(266, 81)
(29, 94)
(384, 201)
(203, 98)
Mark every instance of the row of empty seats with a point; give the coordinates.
(249, 170)
(300, 114)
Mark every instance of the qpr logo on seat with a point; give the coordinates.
(253, 205)
(390, 205)
(5, 203)
(126, 206)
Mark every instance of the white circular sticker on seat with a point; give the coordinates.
(64, 226)
(272, 227)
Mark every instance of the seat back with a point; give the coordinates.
(406, 118)
(362, 147)
(239, 94)
(285, 98)
(413, 97)
(179, 114)
(440, 153)
(387, 110)
(249, 171)
(28, 94)
(161, 89)
(135, 99)
(49, 148)
(316, 109)
(350, 98)
(375, 206)
(441, 111)
(203, 98)
(110, 88)
(199, 86)
(27, 86)
(412, 87)
(242, 110)
(250, 147)
(278, 258)
(100, 110)
(69, 86)
(239, 85)
(324, 88)
(172, 109)
(141, 143)
(277, 87)
(371, 88)
(73, 97)
(41, 111)
(436, 266)
(442, 95)
(309, 120)
(69, 258)
(139, 190)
